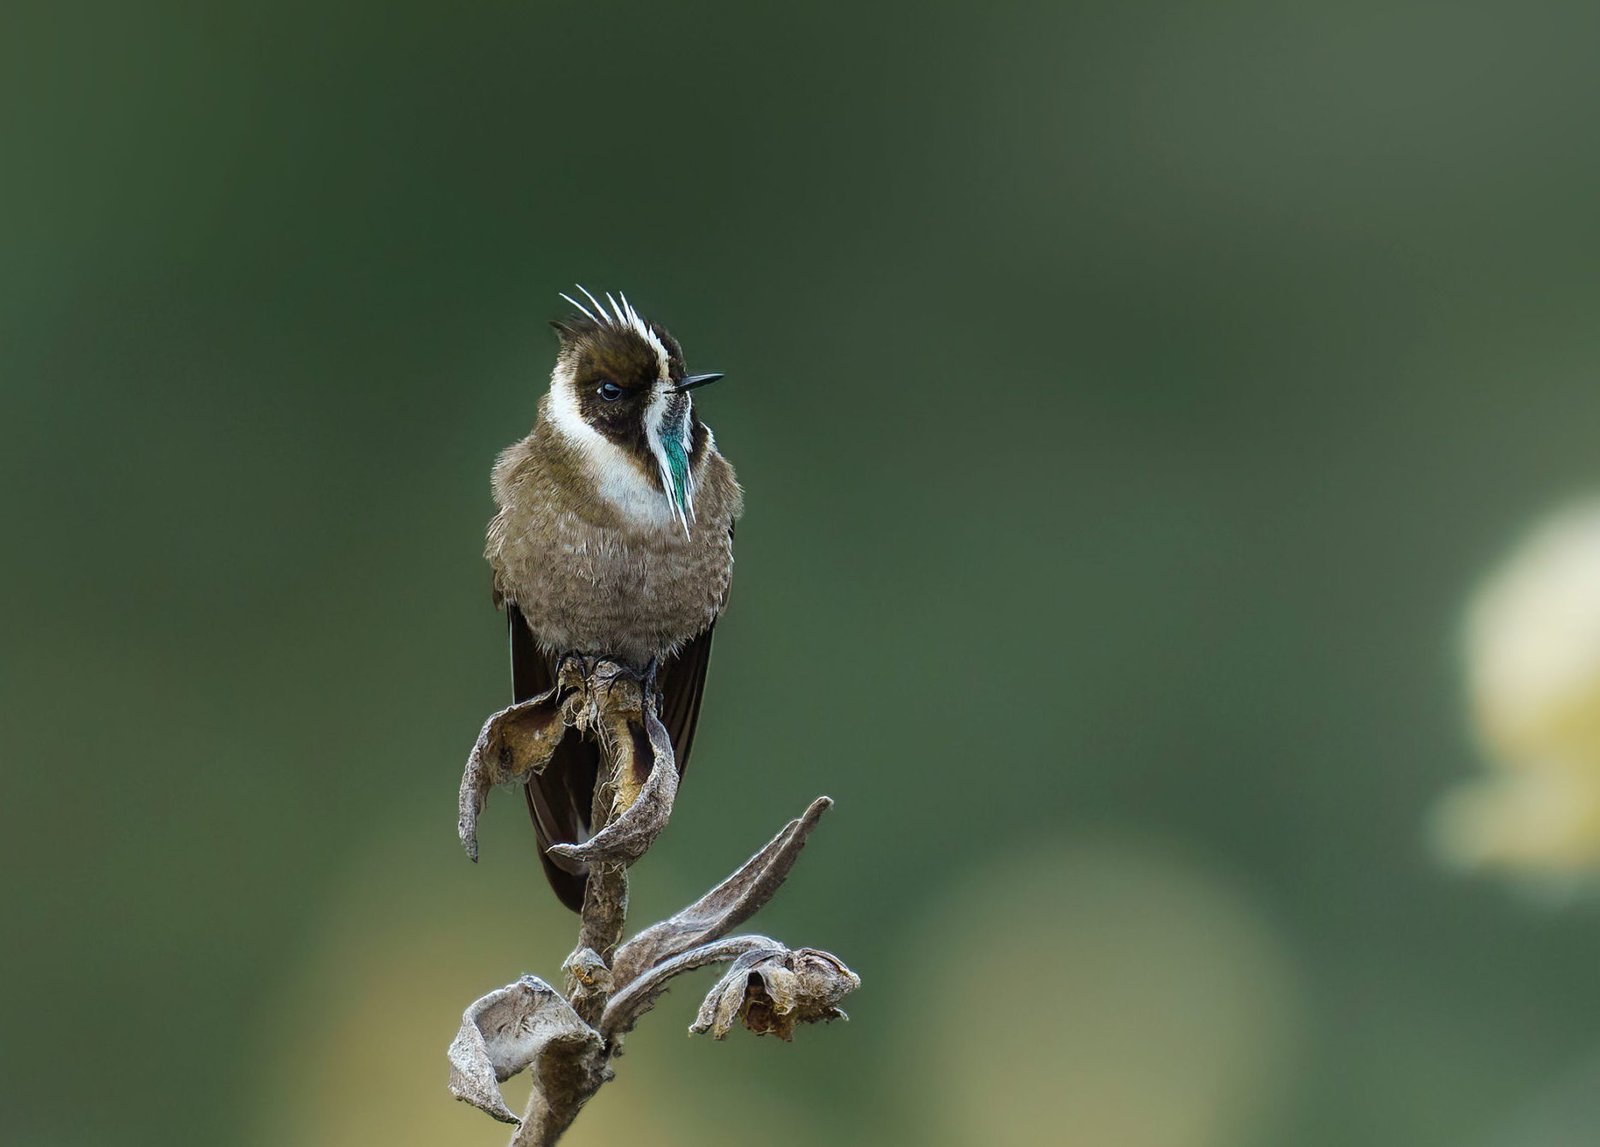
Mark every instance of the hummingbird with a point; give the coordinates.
(613, 536)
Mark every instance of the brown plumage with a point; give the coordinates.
(603, 544)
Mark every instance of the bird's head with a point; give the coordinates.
(620, 382)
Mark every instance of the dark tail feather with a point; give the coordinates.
(569, 885)
(559, 798)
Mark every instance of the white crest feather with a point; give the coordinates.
(579, 305)
(621, 317)
(604, 318)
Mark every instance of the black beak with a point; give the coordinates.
(695, 380)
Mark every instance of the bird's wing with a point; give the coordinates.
(682, 679)
(559, 798)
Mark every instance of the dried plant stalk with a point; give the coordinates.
(567, 1043)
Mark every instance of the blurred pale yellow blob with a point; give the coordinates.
(1533, 664)
(1105, 993)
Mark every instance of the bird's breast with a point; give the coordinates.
(597, 569)
(631, 593)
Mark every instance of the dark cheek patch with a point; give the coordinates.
(621, 421)
(624, 358)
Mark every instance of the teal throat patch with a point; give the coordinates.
(678, 471)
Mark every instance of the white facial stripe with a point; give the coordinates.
(617, 478)
(652, 434)
(654, 415)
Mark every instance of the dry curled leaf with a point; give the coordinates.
(725, 907)
(625, 1008)
(642, 807)
(515, 743)
(596, 698)
(772, 990)
(512, 1028)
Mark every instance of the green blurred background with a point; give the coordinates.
(1127, 397)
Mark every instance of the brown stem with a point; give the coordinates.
(560, 1090)
(605, 906)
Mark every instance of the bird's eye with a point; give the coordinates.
(609, 391)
